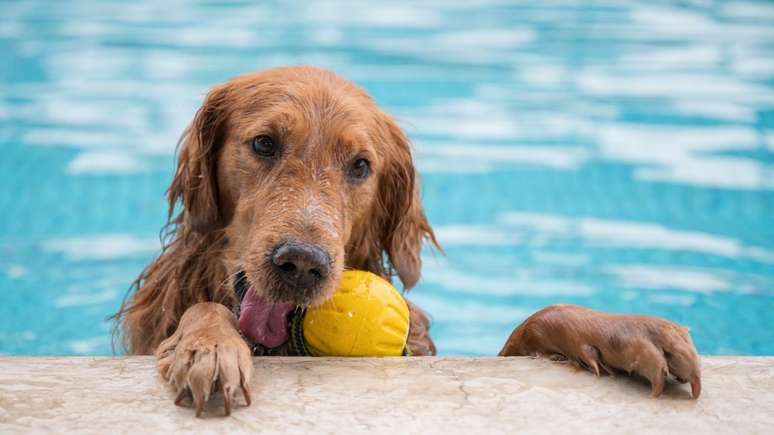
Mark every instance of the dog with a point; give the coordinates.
(287, 177)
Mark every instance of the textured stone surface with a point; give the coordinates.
(389, 395)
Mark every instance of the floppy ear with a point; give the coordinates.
(195, 182)
(404, 226)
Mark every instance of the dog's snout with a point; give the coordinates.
(301, 265)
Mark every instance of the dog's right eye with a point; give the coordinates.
(264, 146)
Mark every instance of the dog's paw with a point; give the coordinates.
(652, 347)
(204, 355)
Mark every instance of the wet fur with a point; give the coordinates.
(227, 209)
(226, 224)
(605, 344)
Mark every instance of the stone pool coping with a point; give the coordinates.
(385, 395)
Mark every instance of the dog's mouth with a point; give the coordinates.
(260, 320)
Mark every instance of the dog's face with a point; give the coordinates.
(301, 175)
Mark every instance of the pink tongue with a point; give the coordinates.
(263, 322)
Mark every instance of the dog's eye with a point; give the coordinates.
(264, 146)
(360, 169)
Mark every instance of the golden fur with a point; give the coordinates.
(234, 207)
(228, 209)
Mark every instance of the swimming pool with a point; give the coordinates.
(617, 155)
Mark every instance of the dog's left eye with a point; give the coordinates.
(264, 146)
(360, 169)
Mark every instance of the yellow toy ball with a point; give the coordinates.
(366, 316)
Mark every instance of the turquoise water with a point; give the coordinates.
(617, 155)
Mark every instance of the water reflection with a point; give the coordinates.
(619, 155)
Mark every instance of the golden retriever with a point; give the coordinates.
(285, 178)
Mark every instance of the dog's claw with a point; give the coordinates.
(657, 385)
(246, 392)
(199, 405)
(227, 395)
(696, 386)
(182, 395)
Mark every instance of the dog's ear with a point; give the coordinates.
(404, 226)
(195, 181)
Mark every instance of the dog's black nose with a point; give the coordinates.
(301, 265)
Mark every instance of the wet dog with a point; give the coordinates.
(287, 177)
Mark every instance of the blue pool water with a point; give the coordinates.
(617, 155)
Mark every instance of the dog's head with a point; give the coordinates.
(304, 176)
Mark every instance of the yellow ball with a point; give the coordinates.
(365, 317)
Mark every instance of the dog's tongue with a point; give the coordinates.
(263, 322)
